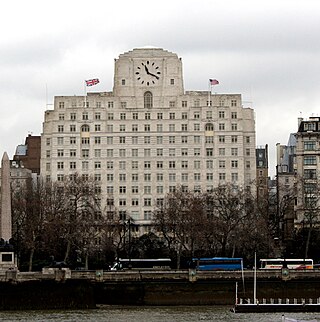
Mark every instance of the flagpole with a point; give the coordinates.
(209, 93)
(85, 94)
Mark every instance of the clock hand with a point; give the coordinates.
(146, 68)
(157, 77)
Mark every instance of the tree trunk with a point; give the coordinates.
(67, 251)
(308, 241)
(31, 259)
(86, 265)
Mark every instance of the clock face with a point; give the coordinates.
(148, 73)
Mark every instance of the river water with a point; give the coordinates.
(152, 314)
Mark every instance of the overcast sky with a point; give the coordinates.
(268, 51)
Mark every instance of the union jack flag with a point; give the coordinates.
(92, 82)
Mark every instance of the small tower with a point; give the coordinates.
(6, 249)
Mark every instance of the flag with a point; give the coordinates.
(213, 82)
(92, 82)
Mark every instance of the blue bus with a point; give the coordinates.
(217, 264)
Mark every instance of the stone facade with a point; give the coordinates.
(149, 136)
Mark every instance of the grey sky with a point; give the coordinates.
(268, 51)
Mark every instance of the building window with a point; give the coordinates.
(234, 126)
(184, 139)
(221, 114)
(234, 177)
(184, 151)
(209, 164)
(85, 140)
(172, 152)
(184, 127)
(60, 153)
(234, 139)
(234, 163)
(110, 116)
(310, 160)
(135, 189)
(135, 115)
(60, 128)
(172, 116)
(109, 165)
(197, 176)
(309, 145)
(73, 116)
(148, 100)
(171, 81)
(85, 153)
(197, 164)
(172, 164)
(310, 174)
(309, 126)
(184, 104)
(60, 165)
(234, 115)
(123, 82)
(85, 116)
(196, 152)
(122, 189)
(122, 153)
(147, 152)
(123, 104)
(147, 127)
(233, 102)
(221, 139)
(209, 152)
(159, 152)
(209, 127)
(147, 116)
(159, 116)
(221, 127)
(159, 164)
(85, 128)
(222, 164)
(234, 151)
(97, 140)
(147, 164)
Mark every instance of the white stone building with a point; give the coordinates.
(149, 136)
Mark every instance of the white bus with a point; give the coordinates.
(291, 263)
